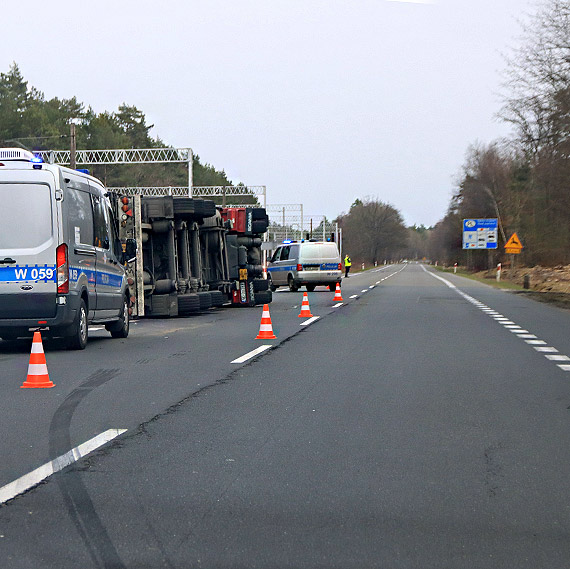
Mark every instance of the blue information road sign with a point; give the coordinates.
(480, 233)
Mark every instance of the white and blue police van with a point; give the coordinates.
(308, 262)
(61, 261)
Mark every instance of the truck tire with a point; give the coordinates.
(77, 339)
(205, 300)
(263, 297)
(259, 226)
(120, 329)
(258, 213)
(217, 298)
(259, 285)
(188, 303)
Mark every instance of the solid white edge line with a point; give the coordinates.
(310, 321)
(337, 305)
(24, 483)
(251, 354)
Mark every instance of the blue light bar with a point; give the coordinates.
(287, 242)
(37, 160)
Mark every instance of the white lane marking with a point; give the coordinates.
(251, 354)
(310, 321)
(24, 483)
(364, 290)
(337, 305)
(371, 286)
(378, 282)
(530, 339)
(557, 358)
(353, 296)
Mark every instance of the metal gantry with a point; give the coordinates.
(123, 156)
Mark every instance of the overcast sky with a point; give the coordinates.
(322, 101)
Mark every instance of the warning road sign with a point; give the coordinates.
(513, 246)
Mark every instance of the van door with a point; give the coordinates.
(109, 281)
(78, 213)
(29, 237)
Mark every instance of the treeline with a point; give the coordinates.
(29, 120)
(525, 181)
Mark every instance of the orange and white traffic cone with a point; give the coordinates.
(305, 309)
(337, 295)
(37, 368)
(265, 328)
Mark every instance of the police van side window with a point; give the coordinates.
(80, 217)
(276, 255)
(101, 235)
(115, 243)
(285, 253)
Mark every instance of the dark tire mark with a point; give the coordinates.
(75, 496)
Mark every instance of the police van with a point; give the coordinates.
(309, 263)
(61, 262)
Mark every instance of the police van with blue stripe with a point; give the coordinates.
(61, 261)
(309, 262)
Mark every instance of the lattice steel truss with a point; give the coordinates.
(123, 156)
(197, 192)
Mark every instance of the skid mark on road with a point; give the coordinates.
(532, 340)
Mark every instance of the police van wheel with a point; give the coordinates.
(292, 286)
(78, 339)
(270, 284)
(120, 329)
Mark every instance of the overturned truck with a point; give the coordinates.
(191, 255)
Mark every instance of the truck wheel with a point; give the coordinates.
(260, 285)
(77, 340)
(205, 300)
(120, 329)
(188, 303)
(263, 297)
(217, 298)
(292, 286)
(310, 287)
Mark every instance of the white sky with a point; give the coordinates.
(322, 101)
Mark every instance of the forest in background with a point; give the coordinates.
(29, 120)
(523, 180)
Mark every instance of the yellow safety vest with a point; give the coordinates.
(347, 262)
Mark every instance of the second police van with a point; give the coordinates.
(308, 263)
(61, 262)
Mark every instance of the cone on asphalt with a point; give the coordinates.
(265, 328)
(305, 309)
(37, 368)
(337, 295)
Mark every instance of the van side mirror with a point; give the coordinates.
(130, 253)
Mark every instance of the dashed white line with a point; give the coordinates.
(24, 483)
(337, 305)
(531, 339)
(251, 354)
(364, 290)
(353, 296)
(310, 321)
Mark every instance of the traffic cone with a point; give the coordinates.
(37, 369)
(305, 310)
(337, 295)
(265, 329)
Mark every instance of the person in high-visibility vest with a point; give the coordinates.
(347, 265)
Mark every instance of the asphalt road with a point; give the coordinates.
(422, 423)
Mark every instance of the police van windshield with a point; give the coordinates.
(26, 215)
